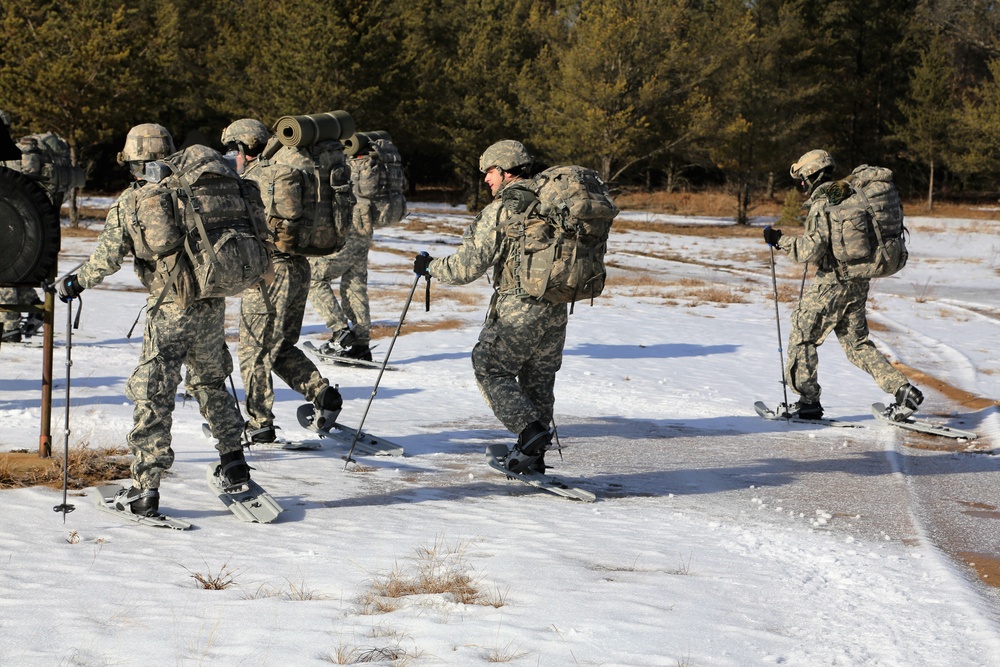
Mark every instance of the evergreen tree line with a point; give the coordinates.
(664, 94)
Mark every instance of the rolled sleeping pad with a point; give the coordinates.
(272, 147)
(358, 142)
(308, 130)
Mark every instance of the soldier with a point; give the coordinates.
(521, 344)
(350, 264)
(270, 323)
(174, 335)
(12, 327)
(830, 304)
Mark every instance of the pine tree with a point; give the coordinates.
(930, 111)
(73, 69)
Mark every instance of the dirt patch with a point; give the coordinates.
(960, 396)
(87, 467)
(987, 566)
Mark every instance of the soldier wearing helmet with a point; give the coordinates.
(271, 320)
(145, 143)
(521, 344)
(247, 137)
(831, 303)
(190, 335)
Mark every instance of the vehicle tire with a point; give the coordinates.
(29, 231)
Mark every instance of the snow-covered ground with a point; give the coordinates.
(718, 538)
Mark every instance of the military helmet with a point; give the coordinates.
(810, 163)
(145, 143)
(247, 131)
(5, 117)
(505, 155)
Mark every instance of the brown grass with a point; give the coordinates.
(439, 570)
(87, 467)
(416, 326)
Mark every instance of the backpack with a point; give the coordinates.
(46, 157)
(558, 234)
(866, 228)
(200, 225)
(311, 186)
(377, 175)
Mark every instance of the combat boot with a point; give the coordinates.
(328, 405)
(529, 452)
(908, 399)
(233, 470)
(801, 410)
(259, 436)
(144, 502)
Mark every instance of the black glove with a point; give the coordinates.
(771, 236)
(420, 263)
(68, 288)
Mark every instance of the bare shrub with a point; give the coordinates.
(218, 581)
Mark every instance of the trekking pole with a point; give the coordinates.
(65, 507)
(777, 321)
(385, 362)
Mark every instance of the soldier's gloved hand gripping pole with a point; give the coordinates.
(68, 289)
(388, 352)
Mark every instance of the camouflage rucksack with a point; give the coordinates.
(558, 234)
(377, 175)
(307, 197)
(866, 228)
(199, 225)
(46, 158)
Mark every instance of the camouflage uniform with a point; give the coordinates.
(350, 264)
(193, 336)
(520, 347)
(829, 305)
(267, 339)
(10, 296)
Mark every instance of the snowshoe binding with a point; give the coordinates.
(144, 502)
(528, 454)
(328, 406)
(908, 399)
(800, 410)
(233, 471)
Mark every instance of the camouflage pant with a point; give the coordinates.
(838, 307)
(267, 340)
(352, 269)
(516, 360)
(10, 296)
(195, 337)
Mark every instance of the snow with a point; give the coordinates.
(718, 539)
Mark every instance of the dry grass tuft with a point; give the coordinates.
(218, 581)
(354, 655)
(439, 570)
(87, 467)
(506, 653)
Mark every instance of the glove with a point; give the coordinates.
(68, 288)
(420, 263)
(771, 236)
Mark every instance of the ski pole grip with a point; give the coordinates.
(427, 294)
